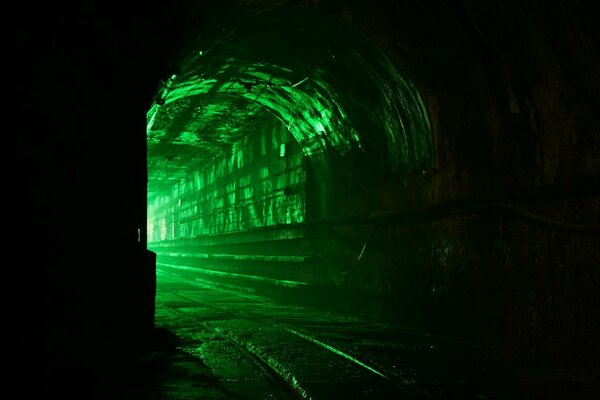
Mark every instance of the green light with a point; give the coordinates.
(229, 133)
(243, 277)
(151, 116)
(234, 193)
(187, 137)
(336, 351)
(281, 370)
(306, 113)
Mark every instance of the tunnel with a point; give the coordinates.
(267, 135)
(314, 199)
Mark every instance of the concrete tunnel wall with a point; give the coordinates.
(260, 183)
(509, 93)
(350, 118)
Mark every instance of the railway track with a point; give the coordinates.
(256, 348)
(278, 350)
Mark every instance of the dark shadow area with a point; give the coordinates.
(284, 132)
(87, 75)
(110, 371)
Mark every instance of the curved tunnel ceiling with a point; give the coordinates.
(333, 88)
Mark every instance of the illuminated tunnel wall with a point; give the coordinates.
(509, 116)
(501, 129)
(280, 120)
(258, 183)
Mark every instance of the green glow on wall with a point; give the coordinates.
(234, 193)
(216, 129)
(312, 115)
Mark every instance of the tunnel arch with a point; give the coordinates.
(511, 93)
(336, 91)
(224, 198)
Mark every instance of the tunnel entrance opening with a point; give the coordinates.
(269, 127)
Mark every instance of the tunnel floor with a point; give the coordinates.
(229, 344)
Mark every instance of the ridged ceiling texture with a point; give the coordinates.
(334, 89)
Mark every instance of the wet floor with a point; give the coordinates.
(238, 345)
(216, 342)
